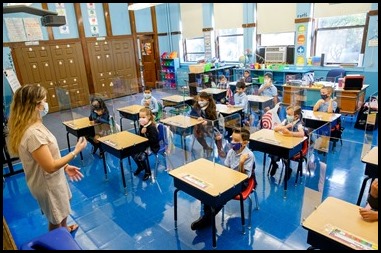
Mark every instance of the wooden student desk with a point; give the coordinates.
(177, 100)
(121, 145)
(132, 113)
(371, 169)
(79, 127)
(315, 120)
(261, 101)
(217, 94)
(228, 110)
(274, 143)
(338, 225)
(209, 182)
(181, 125)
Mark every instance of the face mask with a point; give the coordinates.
(290, 119)
(45, 110)
(147, 96)
(202, 103)
(236, 146)
(143, 121)
(324, 96)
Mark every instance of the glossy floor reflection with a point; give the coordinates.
(143, 218)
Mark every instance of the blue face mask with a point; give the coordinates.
(236, 146)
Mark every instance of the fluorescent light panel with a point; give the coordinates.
(139, 6)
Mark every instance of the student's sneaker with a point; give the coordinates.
(274, 167)
(146, 176)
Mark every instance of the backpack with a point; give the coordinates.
(270, 119)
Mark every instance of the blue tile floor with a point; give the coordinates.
(143, 217)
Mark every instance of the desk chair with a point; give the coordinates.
(166, 144)
(300, 158)
(57, 239)
(246, 194)
(334, 74)
(336, 132)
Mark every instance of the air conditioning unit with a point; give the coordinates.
(275, 54)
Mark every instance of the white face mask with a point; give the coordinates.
(45, 110)
(290, 119)
(202, 103)
(147, 96)
(143, 121)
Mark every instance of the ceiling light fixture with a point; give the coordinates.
(139, 6)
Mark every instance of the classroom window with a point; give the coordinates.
(277, 39)
(230, 44)
(194, 49)
(340, 38)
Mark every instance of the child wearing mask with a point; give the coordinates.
(326, 103)
(205, 108)
(100, 116)
(149, 101)
(223, 84)
(147, 129)
(268, 89)
(239, 158)
(240, 100)
(291, 126)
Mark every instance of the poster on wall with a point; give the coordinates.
(146, 48)
(12, 79)
(33, 29)
(15, 28)
(60, 8)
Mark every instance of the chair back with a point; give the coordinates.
(334, 74)
(165, 138)
(159, 114)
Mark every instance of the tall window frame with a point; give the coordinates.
(229, 44)
(194, 49)
(340, 38)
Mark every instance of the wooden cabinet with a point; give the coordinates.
(54, 65)
(169, 72)
(113, 67)
(350, 101)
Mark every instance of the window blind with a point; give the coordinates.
(191, 20)
(228, 16)
(322, 10)
(275, 17)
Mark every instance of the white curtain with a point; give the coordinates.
(322, 10)
(228, 16)
(275, 17)
(191, 20)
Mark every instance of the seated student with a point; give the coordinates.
(149, 101)
(240, 100)
(222, 82)
(370, 211)
(326, 103)
(210, 83)
(99, 114)
(247, 77)
(291, 126)
(268, 88)
(205, 108)
(239, 158)
(147, 129)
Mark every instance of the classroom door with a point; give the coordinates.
(147, 52)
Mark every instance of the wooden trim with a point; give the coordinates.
(176, 33)
(85, 51)
(303, 20)
(48, 28)
(162, 34)
(248, 25)
(373, 13)
(207, 29)
(40, 42)
(106, 13)
(135, 43)
(156, 43)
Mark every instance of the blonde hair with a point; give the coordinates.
(23, 113)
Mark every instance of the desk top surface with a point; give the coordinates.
(80, 123)
(335, 213)
(320, 116)
(371, 157)
(212, 178)
(227, 109)
(213, 91)
(133, 109)
(181, 121)
(177, 98)
(257, 98)
(122, 140)
(276, 138)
